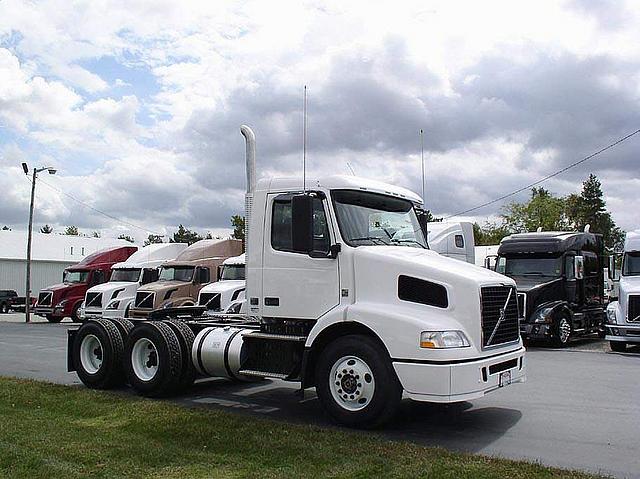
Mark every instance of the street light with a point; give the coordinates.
(27, 299)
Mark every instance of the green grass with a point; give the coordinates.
(59, 431)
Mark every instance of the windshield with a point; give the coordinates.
(130, 275)
(75, 276)
(631, 264)
(375, 219)
(176, 273)
(530, 266)
(232, 271)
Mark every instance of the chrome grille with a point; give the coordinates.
(93, 300)
(44, 299)
(144, 299)
(633, 307)
(499, 327)
(210, 300)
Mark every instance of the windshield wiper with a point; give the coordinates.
(409, 241)
(370, 238)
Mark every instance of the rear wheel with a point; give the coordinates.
(356, 383)
(153, 359)
(4, 308)
(185, 338)
(618, 346)
(75, 314)
(97, 354)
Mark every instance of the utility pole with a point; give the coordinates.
(424, 200)
(27, 299)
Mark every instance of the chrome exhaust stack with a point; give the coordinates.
(250, 157)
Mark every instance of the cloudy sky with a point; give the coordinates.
(138, 104)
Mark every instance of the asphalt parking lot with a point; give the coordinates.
(579, 408)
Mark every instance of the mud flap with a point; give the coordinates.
(71, 336)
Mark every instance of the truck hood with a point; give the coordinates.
(64, 286)
(160, 286)
(527, 283)
(223, 286)
(107, 290)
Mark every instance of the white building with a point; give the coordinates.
(50, 255)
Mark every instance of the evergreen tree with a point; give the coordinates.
(72, 231)
(46, 229)
(184, 235)
(126, 238)
(237, 222)
(153, 239)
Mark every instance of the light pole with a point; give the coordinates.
(27, 299)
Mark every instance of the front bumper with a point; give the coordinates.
(536, 330)
(43, 311)
(628, 333)
(455, 381)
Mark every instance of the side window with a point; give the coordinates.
(281, 230)
(568, 267)
(459, 241)
(501, 264)
(149, 275)
(98, 277)
(590, 263)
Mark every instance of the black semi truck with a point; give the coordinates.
(560, 282)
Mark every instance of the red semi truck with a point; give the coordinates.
(63, 300)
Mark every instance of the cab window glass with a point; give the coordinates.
(568, 267)
(590, 263)
(281, 228)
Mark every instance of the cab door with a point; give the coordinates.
(295, 285)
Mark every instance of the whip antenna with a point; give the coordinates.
(424, 200)
(304, 141)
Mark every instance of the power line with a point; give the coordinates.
(107, 215)
(572, 165)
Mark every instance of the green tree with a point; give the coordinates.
(153, 239)
(238, 224)
(544, 210)
(589, 208)
(46, 229)
(96, 234)
(489, 234)
(184, 235)
(126, 238)
(6, 228)
(71, 231)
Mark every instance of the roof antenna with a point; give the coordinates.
(424, 200)
(351, 169)
(304, 141)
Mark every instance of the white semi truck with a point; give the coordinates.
(226, 295)
(114, 298)
(334, 304)
(623, 316)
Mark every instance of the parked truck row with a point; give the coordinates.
(342, 294)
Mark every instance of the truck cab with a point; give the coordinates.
(560, 283)
(64, 300)
(623, 315)
(113, 299)
(227, 294)
(453, 240)
(181, 279)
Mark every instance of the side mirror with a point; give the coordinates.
(578, 267)
(612, 271)
(487, 261)
(219, 273)
(302, 223)
(202, 275)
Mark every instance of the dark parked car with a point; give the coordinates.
(17, 303)
(6, 295)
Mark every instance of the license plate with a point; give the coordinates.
(505, 378)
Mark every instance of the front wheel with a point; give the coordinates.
(4, 308)
(356, 383)
(618, 346)
(562, 332)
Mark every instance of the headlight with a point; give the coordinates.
(168, 305)
(611, 316)
(62, 303)
(443, 339)
(543, 315)
(113, 305)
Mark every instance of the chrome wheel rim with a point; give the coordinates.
(91, 354)
(564, 330)
(144, 359)
(352, 383)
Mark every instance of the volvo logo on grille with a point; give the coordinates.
(501, 317)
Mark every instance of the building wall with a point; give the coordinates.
(43, 273)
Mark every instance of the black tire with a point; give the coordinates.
(560, 338)
(75, 318)
(618, 346)
(185, 338)
(387, 392)
(54, 319)
(4, 308)
(110, 372)
(167, 357)
(124, 327)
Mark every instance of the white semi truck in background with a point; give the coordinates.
(226, 295)
(114, 298)
(335, 303)
(623, 316)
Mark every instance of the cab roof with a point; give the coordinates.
(108, 256)
(152, 255)
(338, 182)
(550, 242)
(632, 241)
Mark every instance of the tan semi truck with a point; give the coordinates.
(181, 280)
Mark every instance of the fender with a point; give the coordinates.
(551, 309)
